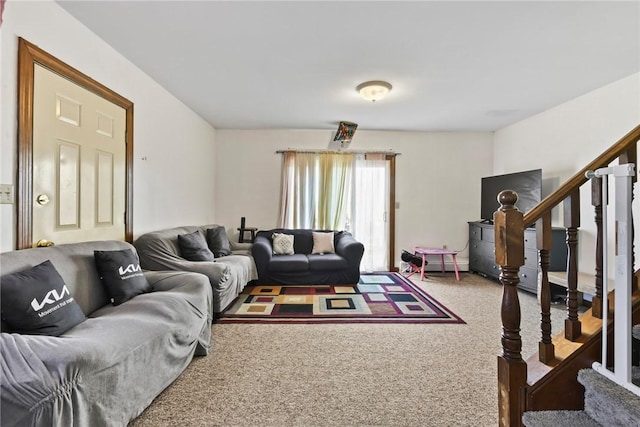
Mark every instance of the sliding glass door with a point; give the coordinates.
(369, 217)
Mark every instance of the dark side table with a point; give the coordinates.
(243, 230)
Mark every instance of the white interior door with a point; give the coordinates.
(370, 217)
(79, 163)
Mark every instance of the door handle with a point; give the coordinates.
(42, 199)
(42, 243)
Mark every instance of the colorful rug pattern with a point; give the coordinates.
(377, 298)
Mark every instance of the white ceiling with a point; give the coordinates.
(454, 66)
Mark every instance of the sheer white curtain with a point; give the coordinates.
(368, 218)
(315, 190)
(335, 171)
(299, 188)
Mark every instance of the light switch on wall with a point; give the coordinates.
(6, 194)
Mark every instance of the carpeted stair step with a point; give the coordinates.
(607, 402)
(558, 419)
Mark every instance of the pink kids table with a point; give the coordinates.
(437, 251)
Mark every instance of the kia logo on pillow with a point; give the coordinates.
(52, 297)
(131, 270)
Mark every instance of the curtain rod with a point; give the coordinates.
(295, 150)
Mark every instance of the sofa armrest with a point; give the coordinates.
(193, 285)
(351, 249)
(215, 271)
(168, 280)
(262, 253)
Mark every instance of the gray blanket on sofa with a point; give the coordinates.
(106, 370)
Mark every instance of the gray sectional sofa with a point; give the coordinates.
(303, 266)
(228, 275)
(107, 369)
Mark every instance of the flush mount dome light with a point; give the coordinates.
(373, 90)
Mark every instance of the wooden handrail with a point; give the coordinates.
(509, 225)
(579, 178)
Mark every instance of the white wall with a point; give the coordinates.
(565, 139)
(175, 185)
(437, 179)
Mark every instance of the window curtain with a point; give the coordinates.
(315, 190)
(298, 188)
(335, 174)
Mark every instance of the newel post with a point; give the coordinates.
(512, 370)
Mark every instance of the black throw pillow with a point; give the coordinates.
(193, 247)
(37, 302)
(121, 274)
(218, 242)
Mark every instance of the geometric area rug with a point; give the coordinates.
(377, 298)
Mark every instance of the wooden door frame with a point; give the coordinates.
(392, 211)
(29, 55)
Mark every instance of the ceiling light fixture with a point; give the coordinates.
(373, 90)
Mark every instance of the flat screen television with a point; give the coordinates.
(528, 185)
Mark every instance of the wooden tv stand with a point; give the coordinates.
(482, 258)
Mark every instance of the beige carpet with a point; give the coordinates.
(354, 374)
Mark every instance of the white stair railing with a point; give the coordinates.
(621, 374)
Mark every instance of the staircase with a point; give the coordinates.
(556, 386)
(605, 404)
